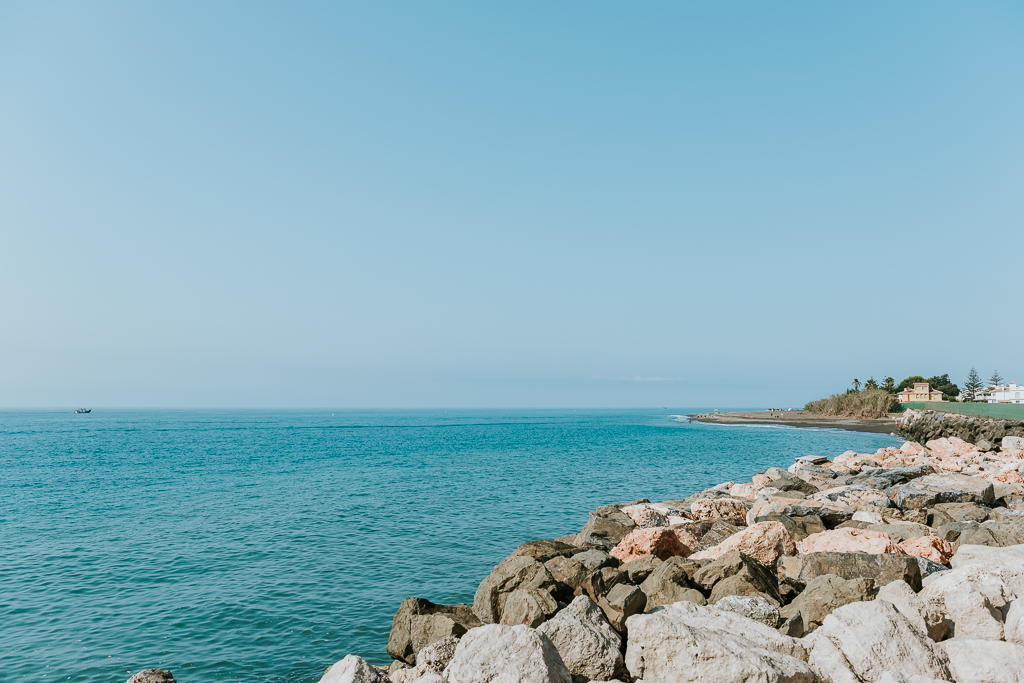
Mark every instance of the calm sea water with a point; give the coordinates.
(265, 545)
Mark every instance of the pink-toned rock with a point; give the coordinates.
(764, 479)
(718, 508)
(950, 465)
(949, 446)
(912, 448)
(929, 547)
(764, 541)
(1010, 477)
(662, 542)
(645, 516)
(743, 490)
(854, 496)
(848, 540)
(686, 534)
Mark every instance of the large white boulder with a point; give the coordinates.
(506, 654)
(976, 660)
(863, 640)
(974, 597)
(687, 642)
(586, 642)
(921, 613)
(1012, 555)
(353, 669)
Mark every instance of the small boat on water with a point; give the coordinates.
(84, 410)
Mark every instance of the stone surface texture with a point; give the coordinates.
(662, 542)
(848, 541)
(586, 642)
(353, 669)
(763, 541)
(506, 654)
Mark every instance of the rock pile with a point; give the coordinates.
(988, 433)
(897, 566)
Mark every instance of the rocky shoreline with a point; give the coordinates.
(901, 566)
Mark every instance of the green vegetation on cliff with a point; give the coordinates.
(863, 404)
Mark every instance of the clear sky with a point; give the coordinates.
(442, 204)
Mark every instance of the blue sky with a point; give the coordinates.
(536, 205)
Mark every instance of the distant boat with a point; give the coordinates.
(84, 410)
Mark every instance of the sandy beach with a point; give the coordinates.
(800, 418)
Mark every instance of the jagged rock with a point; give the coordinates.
(799, 528)
(831, 514)
(823, 595)
(568, 570)
(1013, 443)
(901, 531)
(639, 569)
(529, 606)
(935, 489)
(973, 614)
(152, 676)
(617, 599)
(928, 567)
(686, 642)
(962, 512)
(595, 559)
(741, 575)
(848, 541)
(430, 663)
(763, 541)
(544, 550)
(511, 574)
(854, 495)
(586, 642)
(353, 669)
(606, 527)
(975, 660)
(921, 613)
(882, 479)
(863, 640)
(420, 622)
(718, 508)
(751, 607)
(992, 533)
(498, 654)
(645, 516)
(716, 533)
(662, 542)
(930, 547)
(882, 569)
(670, 583)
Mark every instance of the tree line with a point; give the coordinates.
(942, 383)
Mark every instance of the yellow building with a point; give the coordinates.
(920, 392)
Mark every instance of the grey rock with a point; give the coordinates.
(420, 622)
(751, 607)
(823, 595)
(544, 550)
(962, 512)
(152, 676)
(928, 567)
(511, 574)
(798, 570)
(595, 559)
(586, 642)
(934, 489)
(567, 570)
(642, 567)
(670, 583)
(1011, 443)
(498, 654)
(605, 528)
(436, 656)
(799, 528)
(718, 532)
(529, 606)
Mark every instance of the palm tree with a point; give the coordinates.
(856, 384)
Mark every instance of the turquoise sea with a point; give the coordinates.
(265, 545)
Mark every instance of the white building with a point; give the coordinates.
(1011, 393)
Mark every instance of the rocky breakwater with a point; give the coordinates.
(923, 426)
(901, 566)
